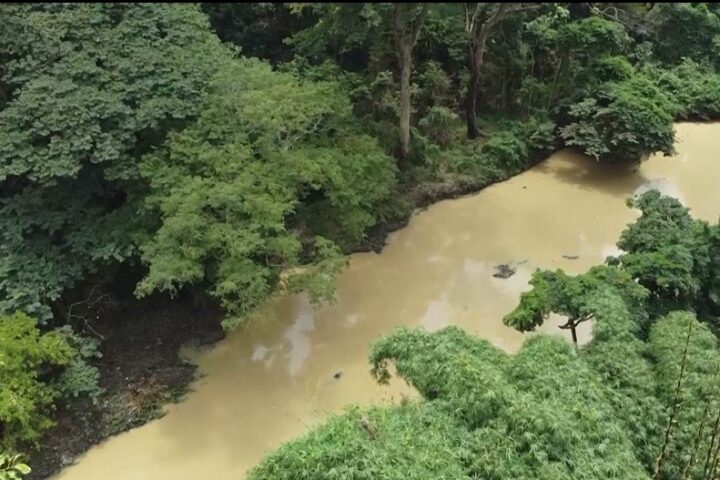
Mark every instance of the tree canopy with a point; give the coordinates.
(229, 153)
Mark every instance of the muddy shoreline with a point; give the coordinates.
(141, 369)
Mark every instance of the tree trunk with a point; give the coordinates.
(477, 42)
(405, 60)
(407, 31)
(475, 58)
(573, 331)
(708, 460)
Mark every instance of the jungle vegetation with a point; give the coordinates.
(231, 152)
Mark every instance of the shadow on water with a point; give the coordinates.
(589, 174)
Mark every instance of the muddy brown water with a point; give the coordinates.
(294, 365)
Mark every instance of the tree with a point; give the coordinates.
(685, 30)
(572, 297)
(378, 29)
(262, 191)
(259, 29)
(409, 18)
(480, 21)
(622, 121)
(90, 87)
(671, 254)
(25, 399)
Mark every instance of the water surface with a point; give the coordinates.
(275, 378)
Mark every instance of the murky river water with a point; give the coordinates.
(275, 378)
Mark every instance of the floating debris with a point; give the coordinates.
(504, 271)
(571, 257)
(337, 375)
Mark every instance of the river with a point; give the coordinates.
(293, 365)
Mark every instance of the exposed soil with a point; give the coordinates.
(141, 371)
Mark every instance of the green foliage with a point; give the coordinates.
(259, 29)
(689, 30)
(591, 37)
(510, 148)
(694, 89)
(437, 125)
(573, 297)
(487, 414)
(25, 399)
(410, 441)
(699, 388)
(12, 467)
(271, 177)
(624, 120)
(89, 87)
(80, 378)
(671, 254)
(611, 69)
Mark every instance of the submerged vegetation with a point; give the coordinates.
(226, 153)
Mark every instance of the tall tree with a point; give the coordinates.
(90, 87)
(387, 32)
(481, 19)
(409, 18)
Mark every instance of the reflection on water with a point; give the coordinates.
(293, 365)
(664, 186)
(297, 335)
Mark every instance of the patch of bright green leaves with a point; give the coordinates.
(263, 191)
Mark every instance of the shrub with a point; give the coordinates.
(437, 125)
(623, 120)
(12, 467)
(511, 147)
(25, 399)
(80, 378)
(694, 89)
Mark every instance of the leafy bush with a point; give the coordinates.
(437, 125)
(540, 414)
(507, 150)
(410, 441)
(12, 467)
(262, 191)
(25, 356)
(80, 378)
(694, 89)
(686, 30)
(611, 69)
(512, 145)
(622, 121)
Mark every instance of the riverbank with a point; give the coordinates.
(141, 370)
(273, 381)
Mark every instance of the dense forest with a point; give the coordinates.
(218, 155)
